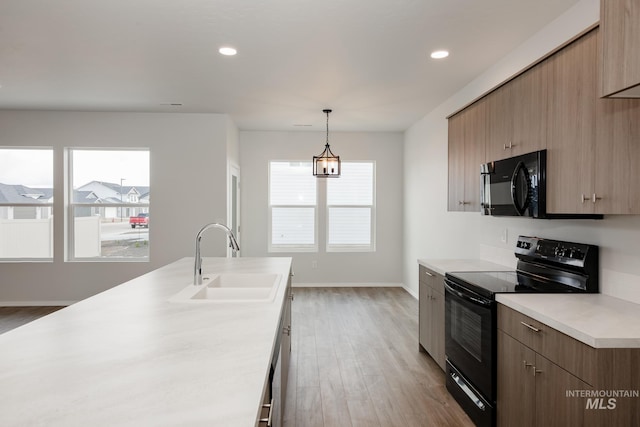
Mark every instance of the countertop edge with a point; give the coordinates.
(565, 328)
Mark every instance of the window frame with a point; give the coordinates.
(371, 247)
(41, 205)
(280, 248)
(70, 207)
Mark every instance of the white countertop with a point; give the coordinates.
(128, 357)
(597, 320)
(442, 266)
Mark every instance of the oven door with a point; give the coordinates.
(470, 334)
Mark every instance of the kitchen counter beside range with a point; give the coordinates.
(129, 357)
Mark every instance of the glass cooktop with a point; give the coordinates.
(489, 283)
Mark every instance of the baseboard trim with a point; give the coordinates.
(348, 285)
(36, 303)
(411, 292)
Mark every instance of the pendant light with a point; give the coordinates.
(327, 164)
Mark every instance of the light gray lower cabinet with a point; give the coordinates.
(275, 395)
(431, 316)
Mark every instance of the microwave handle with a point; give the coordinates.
(520, 209)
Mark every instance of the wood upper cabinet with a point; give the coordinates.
(466, 154)
(571, 127)
(431, 314)
(499, 123)
(593, 144)
(618, 157)
(620, 26)
(517, 115)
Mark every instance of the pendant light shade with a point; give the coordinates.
(327, 164)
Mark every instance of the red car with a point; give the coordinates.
(142, 220)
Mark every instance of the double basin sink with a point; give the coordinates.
(231, 287)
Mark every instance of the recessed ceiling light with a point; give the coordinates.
(227, 51)
(439, 54)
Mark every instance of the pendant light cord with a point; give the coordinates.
(327, 111)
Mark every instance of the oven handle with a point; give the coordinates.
(467, 391)
(478, 301)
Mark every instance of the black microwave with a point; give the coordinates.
(517, 186)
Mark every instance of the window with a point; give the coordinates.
(292, 207)
(26, 204)
(350, 208)
(108, 187)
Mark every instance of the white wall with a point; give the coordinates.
(188, 181)
(432, 232)
(384, 266)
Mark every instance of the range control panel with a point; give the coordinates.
(560, 252)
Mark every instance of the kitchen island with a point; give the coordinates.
(130, 357)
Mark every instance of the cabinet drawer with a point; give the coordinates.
(432, 279)
(568, 353)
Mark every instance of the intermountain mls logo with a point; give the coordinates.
(602, 399)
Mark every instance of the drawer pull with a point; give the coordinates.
(428, 274)
(533, 328)
(526, 365)
(267, 421)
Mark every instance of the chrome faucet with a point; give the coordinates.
(233, 244)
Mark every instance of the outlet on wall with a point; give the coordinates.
(504, 236)
(314, 264)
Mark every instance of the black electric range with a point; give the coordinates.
(544, 265)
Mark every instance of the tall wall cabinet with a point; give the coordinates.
(593, 144)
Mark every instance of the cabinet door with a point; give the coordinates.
(437, 328)
(620, 26)
(499, 133)
(456, 162)
(466, 154)
(516, 383)
(618, 157)
(474, 151)
(529, 93)
(572, 127)
(285, 344)
(424, 314)
(553, 407)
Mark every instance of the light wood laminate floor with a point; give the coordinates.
(355, 362)
(12, 317)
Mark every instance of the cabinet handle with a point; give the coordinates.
(462, 202)
(428, 274)
(526, 365)
(583, 198)
(267, 420)
(505, 146)
(291, 296)
(530, 327)
(287, 330)
(536, 371)
(594, 198)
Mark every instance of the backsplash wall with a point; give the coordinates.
(616, 235)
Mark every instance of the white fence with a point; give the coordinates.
(33, 238)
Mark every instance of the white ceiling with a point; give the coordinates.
(368, 60)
